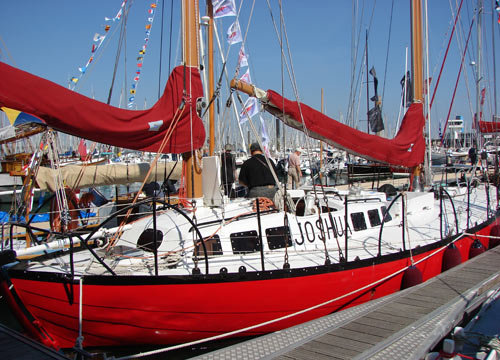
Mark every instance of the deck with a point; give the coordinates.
(405, 325)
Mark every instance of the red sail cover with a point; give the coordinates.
(406, 149)
(489, 126)
(75, 114)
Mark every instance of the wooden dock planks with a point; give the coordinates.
(375, 333)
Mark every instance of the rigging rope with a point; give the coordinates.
(166, 138)
(456, 83)
(387, 54)
(446, 53)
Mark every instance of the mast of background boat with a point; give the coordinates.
(478, 74)
(416, 64)
(428, 158)
(210, 59)
(495, 119)
(367, 83)
(321, 142)
(190, 23)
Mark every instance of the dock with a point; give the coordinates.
(14, 345)
(400, 182)
(404, 325)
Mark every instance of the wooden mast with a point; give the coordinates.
(416, 69)
(190, 25)
(211, 85)
(416, 51)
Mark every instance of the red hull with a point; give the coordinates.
(166, 310)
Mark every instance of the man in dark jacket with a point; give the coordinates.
(228, 170)
(257, 176)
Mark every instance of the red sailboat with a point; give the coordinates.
(239, 267)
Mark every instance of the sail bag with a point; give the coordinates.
(75, 114)
(407, 149)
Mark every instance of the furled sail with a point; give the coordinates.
(75, 114)
(406, 149)
(78, 177)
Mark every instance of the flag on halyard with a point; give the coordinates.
(427, 83)
(242, 57)
(223, 8)
(250, 108)
(409, 93)
(246, 77)
(264, 135)
(234, 34)
(99, 38)
(375, 119)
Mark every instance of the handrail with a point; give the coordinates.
(62, 235)
(365, 200)
(88, 238)
(168, 206)
(440, 211)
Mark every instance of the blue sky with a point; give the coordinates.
(52, 39)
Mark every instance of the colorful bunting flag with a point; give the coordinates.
(98, 39)
(118, 14)
(497, 8)
(142, 52)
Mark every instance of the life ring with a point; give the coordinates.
(55, 212)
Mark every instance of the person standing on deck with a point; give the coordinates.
(473, 158)
(484, 162)
(228, 170)
(257, 176)
(294, 172)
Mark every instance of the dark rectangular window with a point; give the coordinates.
(374, 217)
(278, 237)
(358, 221)
(245, 242)
(388, 217)
(212, 245)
